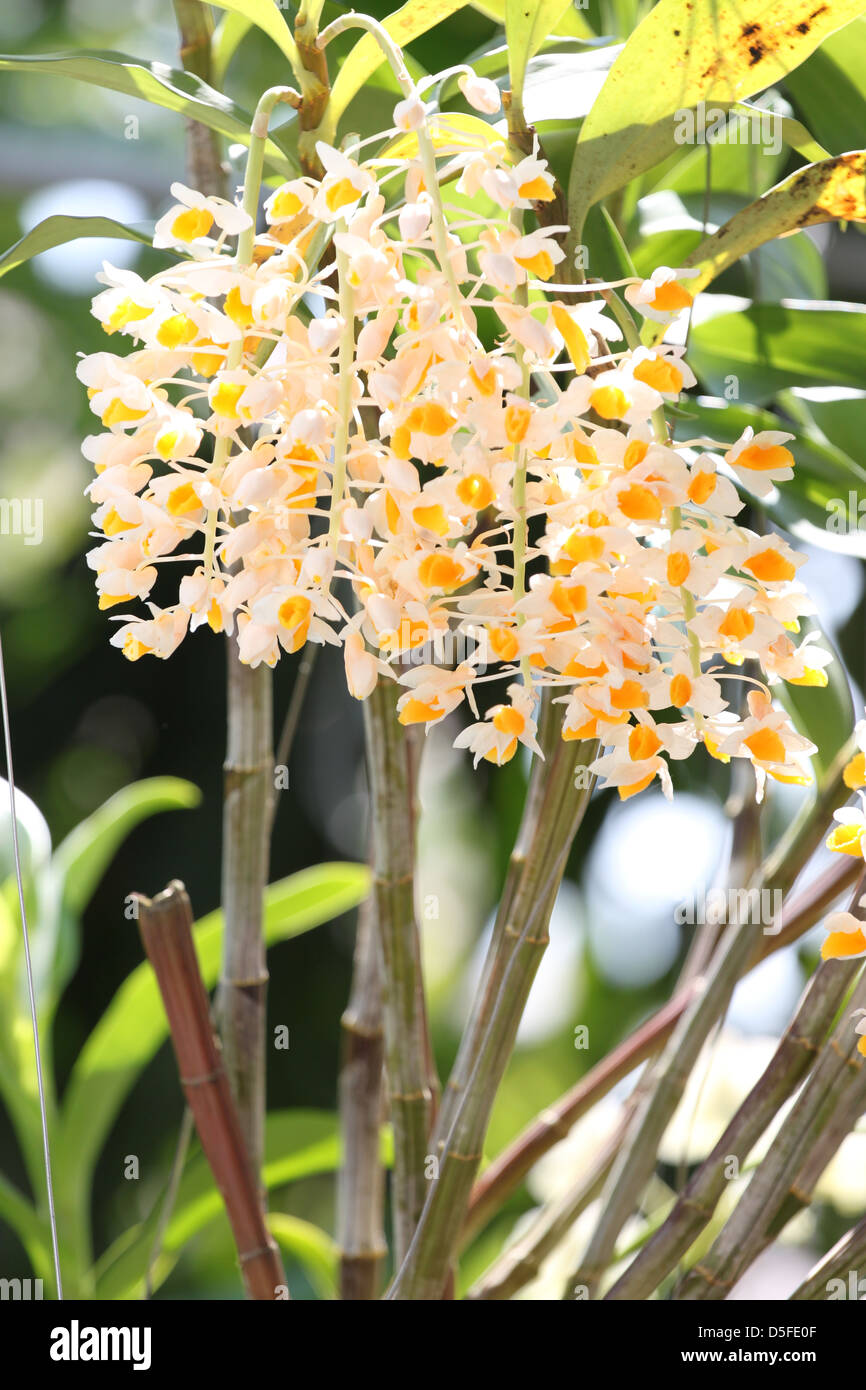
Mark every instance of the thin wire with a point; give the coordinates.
(10, 776)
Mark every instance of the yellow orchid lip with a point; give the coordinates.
(854, 775)
(846, 838)
(192, 224)
(841, 945)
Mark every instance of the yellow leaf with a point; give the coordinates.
(452, 132)
(683, 53)
(527, 25)
(405, 24)
(832, 190)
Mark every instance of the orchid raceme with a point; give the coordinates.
(352, 477)
(845, 931)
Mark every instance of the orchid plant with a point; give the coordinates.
(381, 400)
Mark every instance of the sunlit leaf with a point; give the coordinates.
(680, 54)
(834, 189)
(227, 38)
(829, 90)
(452, 132)
(311, 1247)
(527, 25)
(268, 17)
(298, 1144)
(58, 230)
(570, 24)
(403, 25)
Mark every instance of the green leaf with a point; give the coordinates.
(32, 1229)
(680, 54)
(82, 858)
(769, 347)
(133, 1026)
(56, 231)
(227, 38)
(156, 83)
(828, 191)
(77, 866)
(570, 24)
(404, 25)
(829, 89)
(34, 836)
(311, 1247)
(607, 255)
(840, 415)
(527, 25)
(298, 1144)
(792, 132)
(269, 18)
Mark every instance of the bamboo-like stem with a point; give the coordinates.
(521, 1262)
(426, 1266)
(204, 156)
(695, 1206)
(739, 943)
(496, 959)
(635, 1166)
(165, 924)
(248, 792)
(248, 787)
(391, 773)
(361, 1181)
(847, 1257)
(851, 1104)
(744, 1235)
(207, 173)
(508, 1170)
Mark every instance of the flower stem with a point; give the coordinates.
(426, 151)
(346, 361)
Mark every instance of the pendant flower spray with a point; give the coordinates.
(461, 447)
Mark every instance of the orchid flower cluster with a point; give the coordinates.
(846, 932)
(399, 423)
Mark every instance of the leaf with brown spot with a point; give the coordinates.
(683, 53)
(831, 190)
